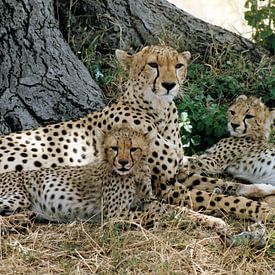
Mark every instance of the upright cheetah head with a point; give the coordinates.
(248, 116)
(156, 71)
(125, 149)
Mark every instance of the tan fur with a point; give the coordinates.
(156, 74)
(249, 117)
(249, 138)
(146, 106)
(246, 155)
(64, 194)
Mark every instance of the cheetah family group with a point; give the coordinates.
(126, 161)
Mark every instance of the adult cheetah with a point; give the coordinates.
(257, 164)
(249, 124)
(155, 76)
(246, 155)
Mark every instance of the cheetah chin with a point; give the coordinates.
(168, 97)
(123, 171)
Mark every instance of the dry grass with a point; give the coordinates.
(80, 248)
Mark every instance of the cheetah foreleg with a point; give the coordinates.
(199, 182)
(255, 190)
(219, 204)
(154, 212)
(201, 219)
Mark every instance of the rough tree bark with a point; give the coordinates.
(133, 23)
(42, 81)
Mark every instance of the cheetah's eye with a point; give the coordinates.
(153, 65)
(178, 66)
(114, 148)
(248, 116)
(133, 149)
(232, 112)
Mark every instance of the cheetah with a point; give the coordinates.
(65, 193)
(156, 74)
(249, 124)
(246, 155)
(257, 165)
(115, 186)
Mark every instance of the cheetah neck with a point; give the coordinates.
(144, 96)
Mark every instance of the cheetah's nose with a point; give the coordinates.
(123, 162)
(168, 85)
(234, 125)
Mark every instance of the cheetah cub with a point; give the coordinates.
(119, 183)
(120, 176)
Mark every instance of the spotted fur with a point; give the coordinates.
(117, 186)
(156, 74)
(246, 155)
(65, 193)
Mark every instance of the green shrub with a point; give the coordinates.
(210, 88)
(261, 17)
(207, 117)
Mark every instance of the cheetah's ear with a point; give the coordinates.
(100, 135)
(270, 119)
(186, 55)
(241, 97)
(124, 58)
(151, 136)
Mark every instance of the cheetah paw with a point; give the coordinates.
(214, 222)
(202, 219)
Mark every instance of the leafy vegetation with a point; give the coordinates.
(208, 120)
(82, 248)
(261, 17)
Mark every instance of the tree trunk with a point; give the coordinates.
(42, 81)
(133, 23)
